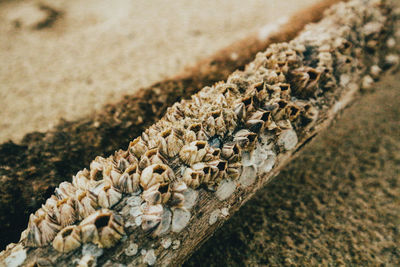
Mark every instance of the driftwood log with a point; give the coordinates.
(160, 199)
(31, 169)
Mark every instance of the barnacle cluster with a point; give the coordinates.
(221, 138)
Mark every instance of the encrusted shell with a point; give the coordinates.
(103, 228)
(68, 239)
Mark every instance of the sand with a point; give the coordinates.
(65, 59)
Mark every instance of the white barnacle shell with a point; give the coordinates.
(151, 195)
(107, 195)
(61, 212)
(41, 231)
(193, 152)
(156, 173)
(16, 257)
(82, 179)
(87, 261)
(177, 194)
(68, 239)
(65, 190)
(231, 152)
(287, 139)
(150, 157)
(103, 228)
(170, 142)
(234, 170)
(165, 223)
(138, 147)
(193, 177)
(152, 215)
(150, 257)
(245, 139)
(86, 203)
(180, 219)
(127, 182)
(96, 168)
(225, 189)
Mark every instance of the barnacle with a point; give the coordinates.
(41, 230)
(152, 215)
(61, 212)
(170, 142)
(154, 174)
(128, 180)
(107, 195)
(68, 239)
(150, 157)
(103, 228)
(86, 203)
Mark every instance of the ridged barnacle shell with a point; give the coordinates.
(138, 147)
(245, 139)
(152, 215)
(96, 168)
(65, 190)
(150, 157)
(230, 120)
(82, 179)
(249, 103)
(285, 90)
(304, 81)
(220, 125)
(85, 202)
(156, 173)
(177, 197)
(199, 132)
(103, 228)
(107, 195)
(231, 152)
(41, 231)
(157, 194)
(234, 170)
(240, 111)
(281, 112)
(293, 112)
(258, 120)
(196, 175)
(170, 142)
(128, 181)
(193, 152)
(217, 171)
(68, 239)
(60, 211)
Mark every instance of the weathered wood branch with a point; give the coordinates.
(31, 170)
(231, 138)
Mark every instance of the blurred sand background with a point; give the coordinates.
(64, 59)
(336, 204)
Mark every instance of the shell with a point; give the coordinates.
(41, 231)
(103, 228)
(85, 203)
(156, 174)
(107, 195)
(61, 212)
(152, 215)
(67, 239)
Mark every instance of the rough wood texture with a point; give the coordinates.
(31, 170)
(338, 55)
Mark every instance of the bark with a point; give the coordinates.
(31, 169)
(344, 46)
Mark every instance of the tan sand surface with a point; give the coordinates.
(66, 58)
